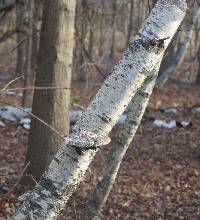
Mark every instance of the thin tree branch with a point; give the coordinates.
(34, 88)
(18, 181)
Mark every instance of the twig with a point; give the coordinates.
(91, 60)
(12, 81)
(33, 88)
(23, 40)
(75, 212)
(34, 179)
(75, 105)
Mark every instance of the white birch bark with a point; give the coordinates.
(125, 136)
(178, 56)
(68, 168)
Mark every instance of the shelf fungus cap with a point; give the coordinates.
(86, 140)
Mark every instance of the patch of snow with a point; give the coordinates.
(13, 114)
(196, 110)
(164, 123)
(25, 123)
(2, 124)
(122, 119)
(185, 123)
(13, 93)
(74, 115)
(170, 110)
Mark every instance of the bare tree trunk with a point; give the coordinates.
(28, 78)
(91, 39)
(125, 136)
(176, 59)
(198, 73)
(114, 8)
(21, 35)
(101, 26)
(69, 165)
(130, 24)
(142, 11)
(54, 70)
(139, 12)
(81, 32)
(91, 27)
(37, 8)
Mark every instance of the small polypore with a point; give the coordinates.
(85, 140)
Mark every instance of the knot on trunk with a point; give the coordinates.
(156, 45)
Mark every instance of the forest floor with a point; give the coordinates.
(159, 178)
(160, 174)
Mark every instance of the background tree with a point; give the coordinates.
(54, 70)
(198, 73)
(21, 30)
(175, 57)
(28, 73)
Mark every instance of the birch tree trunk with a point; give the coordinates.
(69, 165)
(125, 136)
(54, 70)
(176, 59)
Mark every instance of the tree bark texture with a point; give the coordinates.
(37, 9)
(28, 77)
(198, 73)
(69, 165)
(21, 35)
(81, 33)
(114, 15)
(130, 22)
(54, 70)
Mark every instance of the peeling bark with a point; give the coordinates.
(68, 168)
